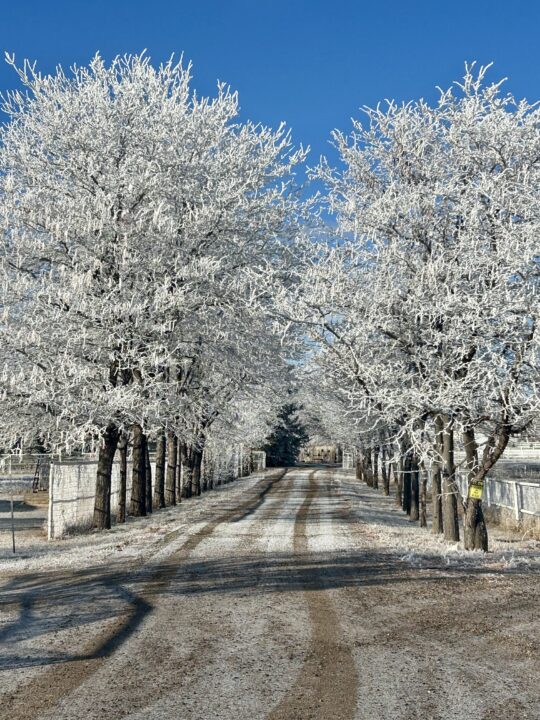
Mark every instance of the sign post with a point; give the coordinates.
(12, 514)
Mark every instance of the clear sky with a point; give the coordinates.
(312, 63)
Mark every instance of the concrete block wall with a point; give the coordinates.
(71, 495)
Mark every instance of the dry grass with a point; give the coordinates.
(505, 519)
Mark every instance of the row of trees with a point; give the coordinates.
(425, 310)
(161, 276)
(132, 211)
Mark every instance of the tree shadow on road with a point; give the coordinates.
(52, 603)
(116, 600)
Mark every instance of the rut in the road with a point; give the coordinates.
(46, 690)
(327, 685)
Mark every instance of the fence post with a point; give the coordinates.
(517, 509)
(12, 515)
(50, 529)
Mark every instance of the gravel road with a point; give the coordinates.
(281, 604)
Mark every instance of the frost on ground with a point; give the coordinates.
(137, 540)
(379, 520)
(302, 595)
(388, 527)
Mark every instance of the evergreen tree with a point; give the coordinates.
(286, 439)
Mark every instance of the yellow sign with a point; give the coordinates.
(475, 490)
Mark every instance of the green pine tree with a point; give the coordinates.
(288, 436)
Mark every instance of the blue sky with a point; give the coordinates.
(308, 62)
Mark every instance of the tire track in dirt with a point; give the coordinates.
(456, 657)
(39, 695)
(327, 685)
(200, 658)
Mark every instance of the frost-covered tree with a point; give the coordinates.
(130, 208)
(426, 315)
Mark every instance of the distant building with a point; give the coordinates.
(320, 454)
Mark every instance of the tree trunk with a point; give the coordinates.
(198, 468)
(423, 495)
(188, 471)
(170, 484)
(399, 483)
(407, 485)
(369, 468)
(179, 473)
(436, 480)
(147, 476)
(450, 507)
(138, 485)
(186, 476)
(367, 472)
(159, 484)
(241, 464)
(196, 472)
(123, 448)
(414, 513)
(207, 469)
(203, 480)
(475, 533)
(385, 471)
(102, 503)
(358, 464)
(474, 526)
(376, 467)
(436, 500)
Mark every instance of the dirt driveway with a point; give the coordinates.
(283, 605)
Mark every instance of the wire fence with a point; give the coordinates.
(512, 484)
(521, 497)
